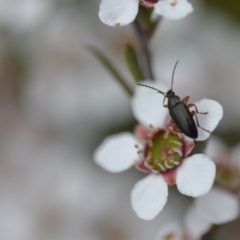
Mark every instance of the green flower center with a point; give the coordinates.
(164, 151)
(227, 177)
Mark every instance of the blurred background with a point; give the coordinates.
(57, 103)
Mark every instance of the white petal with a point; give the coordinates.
(196, 175)
(117, 152)
(118, 12)
(218, 206)
(173, 9)
(215, 149)
(149, 196)
(210, 120)
(147, 104)
(195, 224)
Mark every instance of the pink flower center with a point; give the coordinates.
(148, 3)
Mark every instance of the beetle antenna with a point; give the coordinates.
(173, 73)
(152, 88)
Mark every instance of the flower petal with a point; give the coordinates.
(210, 120)
(147, 104)
(196, 175)
(149, 196)
(173, 9)
(218, 206)
(117, 152)
(215, 149)
(195, 224)
(118, 12)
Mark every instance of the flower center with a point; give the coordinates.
(169, 236)
(149, 3)
(228, 177)
(163, 152)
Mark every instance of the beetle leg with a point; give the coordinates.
(193, 105)
(193, 113)
(185, 100)
(165, 105)
(176, 129)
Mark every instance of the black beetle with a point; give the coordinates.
(179, 111)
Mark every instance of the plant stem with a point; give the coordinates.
(111, 69)
(143, 42)
(199, 147)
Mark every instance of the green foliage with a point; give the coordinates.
(132, 63)
(231, 7)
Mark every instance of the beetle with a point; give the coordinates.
(179, 111)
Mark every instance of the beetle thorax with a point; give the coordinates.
(173, 100)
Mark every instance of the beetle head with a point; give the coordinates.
(170, 93)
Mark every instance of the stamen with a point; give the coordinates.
(175, 150)
(153, 170)
(166, 135)
(147, 165)
(148, 159)
(171, 151)
(162, 167)
(139, 151)
(163, 155)
(167, 165)
(177, 143)
(178, 151)
(149, 156)
(150, 143)
(176, 162)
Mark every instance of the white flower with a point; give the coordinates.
(24, 15)
(161, 152)
(220, 205)
(216, 207)
(122, 12)
(228, 164)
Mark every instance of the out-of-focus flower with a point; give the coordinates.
(122, 12)
(220, 205)
(201, 215)
(25, 14)
(170, 231)
(161, 152)
(216, 207)
(227, 163)
(191, 228)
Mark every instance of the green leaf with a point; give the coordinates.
(132, 62)
(111, 69)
